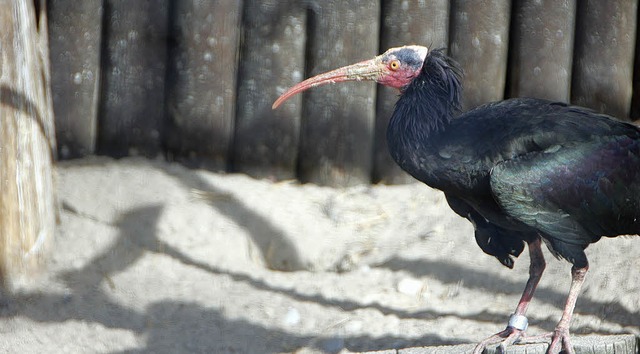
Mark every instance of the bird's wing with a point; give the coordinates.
(574, 193)
(495, 241)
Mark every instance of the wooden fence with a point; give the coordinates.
(27, 196)
(194, 80)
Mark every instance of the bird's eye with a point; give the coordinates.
(394, 65)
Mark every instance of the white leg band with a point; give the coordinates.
(518, 322)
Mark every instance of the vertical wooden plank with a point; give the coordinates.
(202, 81)
(271, 59)
(27, 207)
(338, 121)
(634, 113)
(604, 49)
(541, 52)
(403, 23)
(75, 29)
(479, 35)
(42, 44)
(134, 68)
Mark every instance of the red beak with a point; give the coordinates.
(371, 70)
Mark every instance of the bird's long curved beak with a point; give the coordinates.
(371, 70)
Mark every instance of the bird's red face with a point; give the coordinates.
(402, 64)
(395, 68)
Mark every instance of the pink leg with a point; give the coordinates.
(560, 336)
(516, 326)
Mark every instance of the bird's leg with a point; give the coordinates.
(518, 322)
(560, 336)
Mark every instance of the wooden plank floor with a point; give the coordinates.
(613, 344)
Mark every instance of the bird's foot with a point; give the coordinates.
(560, 341)
(506, 338)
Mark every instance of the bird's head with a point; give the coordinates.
(395, 68)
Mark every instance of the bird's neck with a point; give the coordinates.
(413, 133)
(423, 113)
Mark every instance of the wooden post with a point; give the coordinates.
(27, 208)
(634, 113)
(202, 81)
(271, 60)
(542, 49)
(612, 344)
(479, 42)
(404, 22)
(75, 29)
(603, 61)
(338, 121)
(134, 69)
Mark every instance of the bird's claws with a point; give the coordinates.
(507, 337)
(560, 340)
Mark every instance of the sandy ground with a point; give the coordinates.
(151, 257)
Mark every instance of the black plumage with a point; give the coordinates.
(523, 170)
(519, 167)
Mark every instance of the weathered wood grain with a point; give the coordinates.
(271, 60)
(404, 23)
(634, 113)
(604, 50)
(75, 29)
(133, 74)
(338, 121)
(478, 40)
(202, 81)
(541, 52)
(613, 344)
(27, 208)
